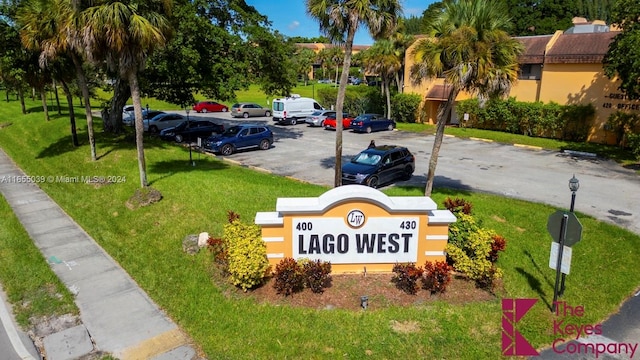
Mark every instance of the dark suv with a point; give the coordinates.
(378, 166)
(240, 137)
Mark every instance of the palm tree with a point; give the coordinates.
(124, 34)
(54, 28)
(339, 20)
(382, 59)
(470, 47)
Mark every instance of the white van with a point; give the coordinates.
(293, 109)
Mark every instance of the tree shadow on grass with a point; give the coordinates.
(165, 169)
(105, 143)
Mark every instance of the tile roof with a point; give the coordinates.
(534, 47)
(585, 48)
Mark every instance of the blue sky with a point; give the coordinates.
(290, 19)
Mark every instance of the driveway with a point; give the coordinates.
(607, 191)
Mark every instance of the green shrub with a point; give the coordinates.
(623, 125)
(246, 253)
(317, 275)
(472, 250)
(289, 277)
(437, 276)
(405, 107)
(406, 277)
(551, 120)
(634, 144)
(357, 100)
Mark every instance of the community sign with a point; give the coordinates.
(357, 229)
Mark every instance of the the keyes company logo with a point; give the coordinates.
(513, 343)
(571, 338)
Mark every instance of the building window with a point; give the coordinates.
(530, 71)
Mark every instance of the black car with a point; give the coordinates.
(191, 130)
(379, 165)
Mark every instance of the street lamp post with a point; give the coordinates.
(186, 109)
(574, 185)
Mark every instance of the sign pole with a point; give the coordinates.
(573, 202)
(563, 230)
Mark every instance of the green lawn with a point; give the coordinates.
(148, 243)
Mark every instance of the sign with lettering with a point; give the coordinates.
(356, 228)
(340, 242)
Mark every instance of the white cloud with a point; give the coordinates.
(294, 25)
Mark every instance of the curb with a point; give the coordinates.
(12, 332)
(528, 146)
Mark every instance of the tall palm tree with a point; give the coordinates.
(470, 46)
(124, 33)
(339, 20)
(54, 28)
(382, 59)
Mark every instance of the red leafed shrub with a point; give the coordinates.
(218, 249)
(499, 244)
(406, 277)
(289, 277)
(458, 205)
(317, 275)
(232, 216)
(437, 276)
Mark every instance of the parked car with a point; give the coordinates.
(191, 130)
(325, 81)
(317, 118)
(209, 106)
(331, 121)
(146, 115)
(240, 137)
(163, 121)
(372, 122)
(249, 109)
(378, 166)
(293, 109)
(127, 111)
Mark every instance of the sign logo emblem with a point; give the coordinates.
(513, 343)
(355, 218)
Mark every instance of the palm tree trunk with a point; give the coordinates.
(137, 106)
(45, 108)
(72, 113)
(82, 83)
(387, 94)
(443, 114)
(340, 102)
(55, 91)
(21, 97)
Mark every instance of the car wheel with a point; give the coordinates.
(224, 109)
(408, 172)
(153, 129)
(267, 113)
(373, 182)
(322, 124)
(227, 149)
(293, 121)
(390, 127)
(245, 115)
(368, 129)
(205, 111)
(179, 138)
(265, 144)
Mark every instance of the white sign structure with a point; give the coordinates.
(566, 258)
(356, 239)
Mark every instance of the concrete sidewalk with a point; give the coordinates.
(117, 315)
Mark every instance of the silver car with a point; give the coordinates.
(163, 121)
(317, 118)
(245, 110)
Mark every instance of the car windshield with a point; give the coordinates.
(182, 126)
(366, 158)
(232, 131)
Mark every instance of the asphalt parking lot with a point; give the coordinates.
(607, 190)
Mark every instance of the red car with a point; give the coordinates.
(330, 122)
(209, 106)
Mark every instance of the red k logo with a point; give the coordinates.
(513, 343)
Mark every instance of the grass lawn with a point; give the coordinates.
(148, 243)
